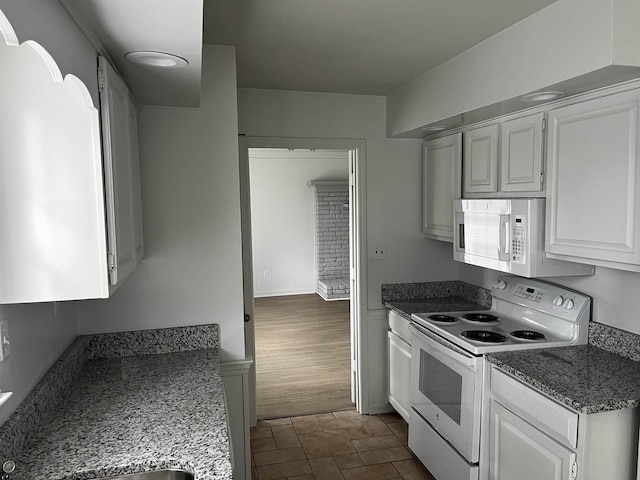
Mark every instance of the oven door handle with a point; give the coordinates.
(447, 353)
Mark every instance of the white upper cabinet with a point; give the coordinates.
(122, 169)
(53, 238)
(52, 233)
(480, 163)
(521, 154)
(593, 201)
(505, 158)
(441, 185)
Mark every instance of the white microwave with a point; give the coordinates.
(507, 235)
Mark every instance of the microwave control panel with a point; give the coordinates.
(518, 238)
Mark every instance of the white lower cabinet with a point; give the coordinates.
(520, 451)
(399, 352)
(533, 437)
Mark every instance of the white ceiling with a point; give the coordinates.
(117, 27)
(352, 46)
(342, 46)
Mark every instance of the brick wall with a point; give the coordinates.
(332, 231)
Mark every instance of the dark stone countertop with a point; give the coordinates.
(583, 377)
(438, 304)
(442, 296)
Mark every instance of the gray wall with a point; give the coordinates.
(192, 270)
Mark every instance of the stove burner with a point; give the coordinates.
(528, 335)
(481, 318)
(484, 336)
(438, 318)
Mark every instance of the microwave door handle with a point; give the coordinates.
(505, 238)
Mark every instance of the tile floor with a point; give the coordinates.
(334, 446)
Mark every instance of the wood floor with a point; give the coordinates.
(302, 356)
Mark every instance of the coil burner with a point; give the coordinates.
(484, 336)
(528, 336)
(444, 319)
(481, 318)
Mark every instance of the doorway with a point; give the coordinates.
(356, 174)
(300, 251)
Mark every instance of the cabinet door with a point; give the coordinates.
(517, 450)
(122, 175)
(521, 154)
(480, 162)
(593, 200)
(399, 375)
(52, 234)
(441, 185)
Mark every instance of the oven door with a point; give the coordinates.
(446, 389)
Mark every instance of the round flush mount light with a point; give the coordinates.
(433, 128)
(542, 96)
(157, 59)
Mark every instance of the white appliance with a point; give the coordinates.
(448, 367)
(507, 235)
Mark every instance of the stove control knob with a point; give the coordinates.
(569, 304)
(559, 300)
(499, 284)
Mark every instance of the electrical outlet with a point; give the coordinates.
(265, 274)
(4, 340)
(378, 252)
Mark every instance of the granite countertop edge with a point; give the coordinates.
(107, 395)
(582, 388)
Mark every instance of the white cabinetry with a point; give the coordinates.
(122, 175)
(441, 185)
(521, 149)
(533, 437)
(593, 201)
(505, 158)
(480, 163)
(53, 238)
(399, 364)
(521, 451)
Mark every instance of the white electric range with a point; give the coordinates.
(448, 366)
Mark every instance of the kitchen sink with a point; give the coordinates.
(155, 475)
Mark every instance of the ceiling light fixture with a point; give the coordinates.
(157, 59)
(542, 96)
(433, 128)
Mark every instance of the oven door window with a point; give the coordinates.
(441, 385)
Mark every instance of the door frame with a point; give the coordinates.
(357, 212)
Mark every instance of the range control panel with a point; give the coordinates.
(540, 296)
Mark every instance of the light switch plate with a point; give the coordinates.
(4, 340)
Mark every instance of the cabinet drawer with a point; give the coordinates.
(552, 418)
(400, 326)
(442, 461)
